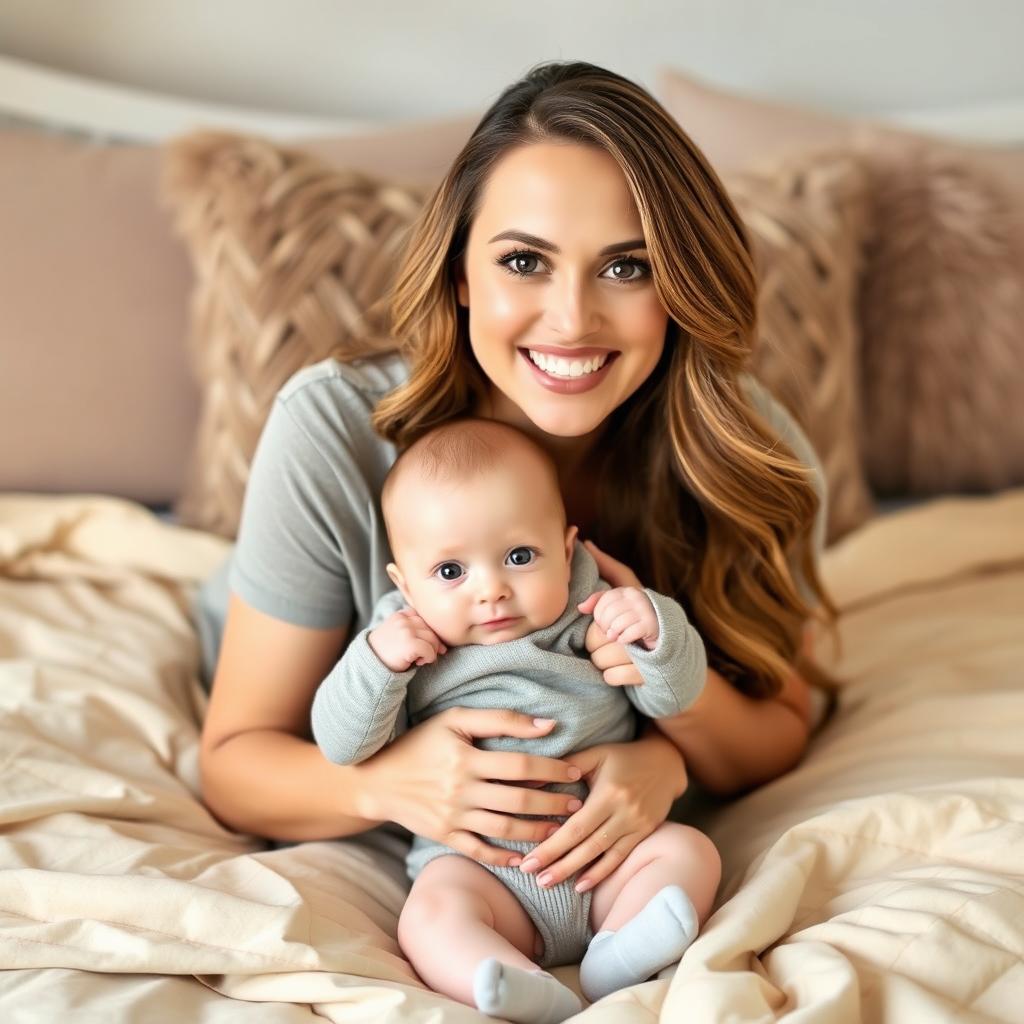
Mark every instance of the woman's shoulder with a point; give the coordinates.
(371, 376)
(329, 405)
(780, 418)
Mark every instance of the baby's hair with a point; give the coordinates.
(462, 450)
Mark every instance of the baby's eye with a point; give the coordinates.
(449, 571)
(521, 556)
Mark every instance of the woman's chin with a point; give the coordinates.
(553, 418)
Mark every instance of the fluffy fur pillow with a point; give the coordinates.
(290, 253)
(941, 310)
(943, 283)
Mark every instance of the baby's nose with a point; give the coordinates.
(493, 587)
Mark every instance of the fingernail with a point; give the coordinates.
(575, 805)
(544, 879)
(530, 864)
(584, 885)
(543, 721)
(515, 862)
(574, 773)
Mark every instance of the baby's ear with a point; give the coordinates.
(396, 577)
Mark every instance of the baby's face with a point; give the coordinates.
(492, 548)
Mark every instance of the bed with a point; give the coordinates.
(881, 879)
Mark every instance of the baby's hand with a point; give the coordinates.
(404, 639)
(626, 615)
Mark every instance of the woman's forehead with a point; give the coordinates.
(578, 192)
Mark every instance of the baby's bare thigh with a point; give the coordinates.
(453, 883)
(683, 845)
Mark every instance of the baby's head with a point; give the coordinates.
(478, 532)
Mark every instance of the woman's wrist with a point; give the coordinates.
(676, 764)
(363, 797)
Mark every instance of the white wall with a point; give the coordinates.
(395, 59)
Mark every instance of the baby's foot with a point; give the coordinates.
(524, 997)
(645, 944)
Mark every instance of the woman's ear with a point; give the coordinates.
(570, 543)
(461, 285)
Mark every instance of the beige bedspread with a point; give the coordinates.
(883, 879)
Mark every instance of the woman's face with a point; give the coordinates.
(592, 299)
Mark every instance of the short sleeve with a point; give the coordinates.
(789, 431)
(288, 559)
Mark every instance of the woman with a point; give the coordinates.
(581, 274)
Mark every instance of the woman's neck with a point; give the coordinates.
(571, 455)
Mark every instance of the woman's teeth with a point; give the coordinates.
(558, 366)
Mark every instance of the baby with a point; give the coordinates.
(493, 601)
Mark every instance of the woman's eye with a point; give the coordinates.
(633, 265)
(521, 556)
(519, 264)
(449, 571)
(513, 263)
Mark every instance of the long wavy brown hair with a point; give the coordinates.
(697, 493)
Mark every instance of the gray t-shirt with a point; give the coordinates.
(311, 546)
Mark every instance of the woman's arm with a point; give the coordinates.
(259, 775)
(731, 742)
(262, 775)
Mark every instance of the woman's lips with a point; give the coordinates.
(568, 385)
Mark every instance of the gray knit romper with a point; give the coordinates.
(362, 705)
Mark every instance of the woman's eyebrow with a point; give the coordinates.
(541, 243)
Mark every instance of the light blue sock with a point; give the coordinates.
(645, 944)
(524, 997)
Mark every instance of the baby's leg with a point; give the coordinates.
(672, 854)
(648, 910)
(469, 938)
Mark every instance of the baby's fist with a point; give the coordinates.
(626, 615)
(403, 639)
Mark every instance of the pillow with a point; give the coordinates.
(95, 392)
(942, 296)
(941, 310)
(291, 253)
(806, 216)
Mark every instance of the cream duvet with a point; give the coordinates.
(882, 879)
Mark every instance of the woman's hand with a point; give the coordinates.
(433, 781)
(632, 786)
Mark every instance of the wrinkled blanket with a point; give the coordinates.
(882, 879)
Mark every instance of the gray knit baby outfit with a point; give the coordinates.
(362, 705)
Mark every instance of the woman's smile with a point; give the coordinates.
(567, 376)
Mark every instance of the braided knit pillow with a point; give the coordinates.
(290, 253)
(807, 216)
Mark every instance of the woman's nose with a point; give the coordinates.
(572, 311)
